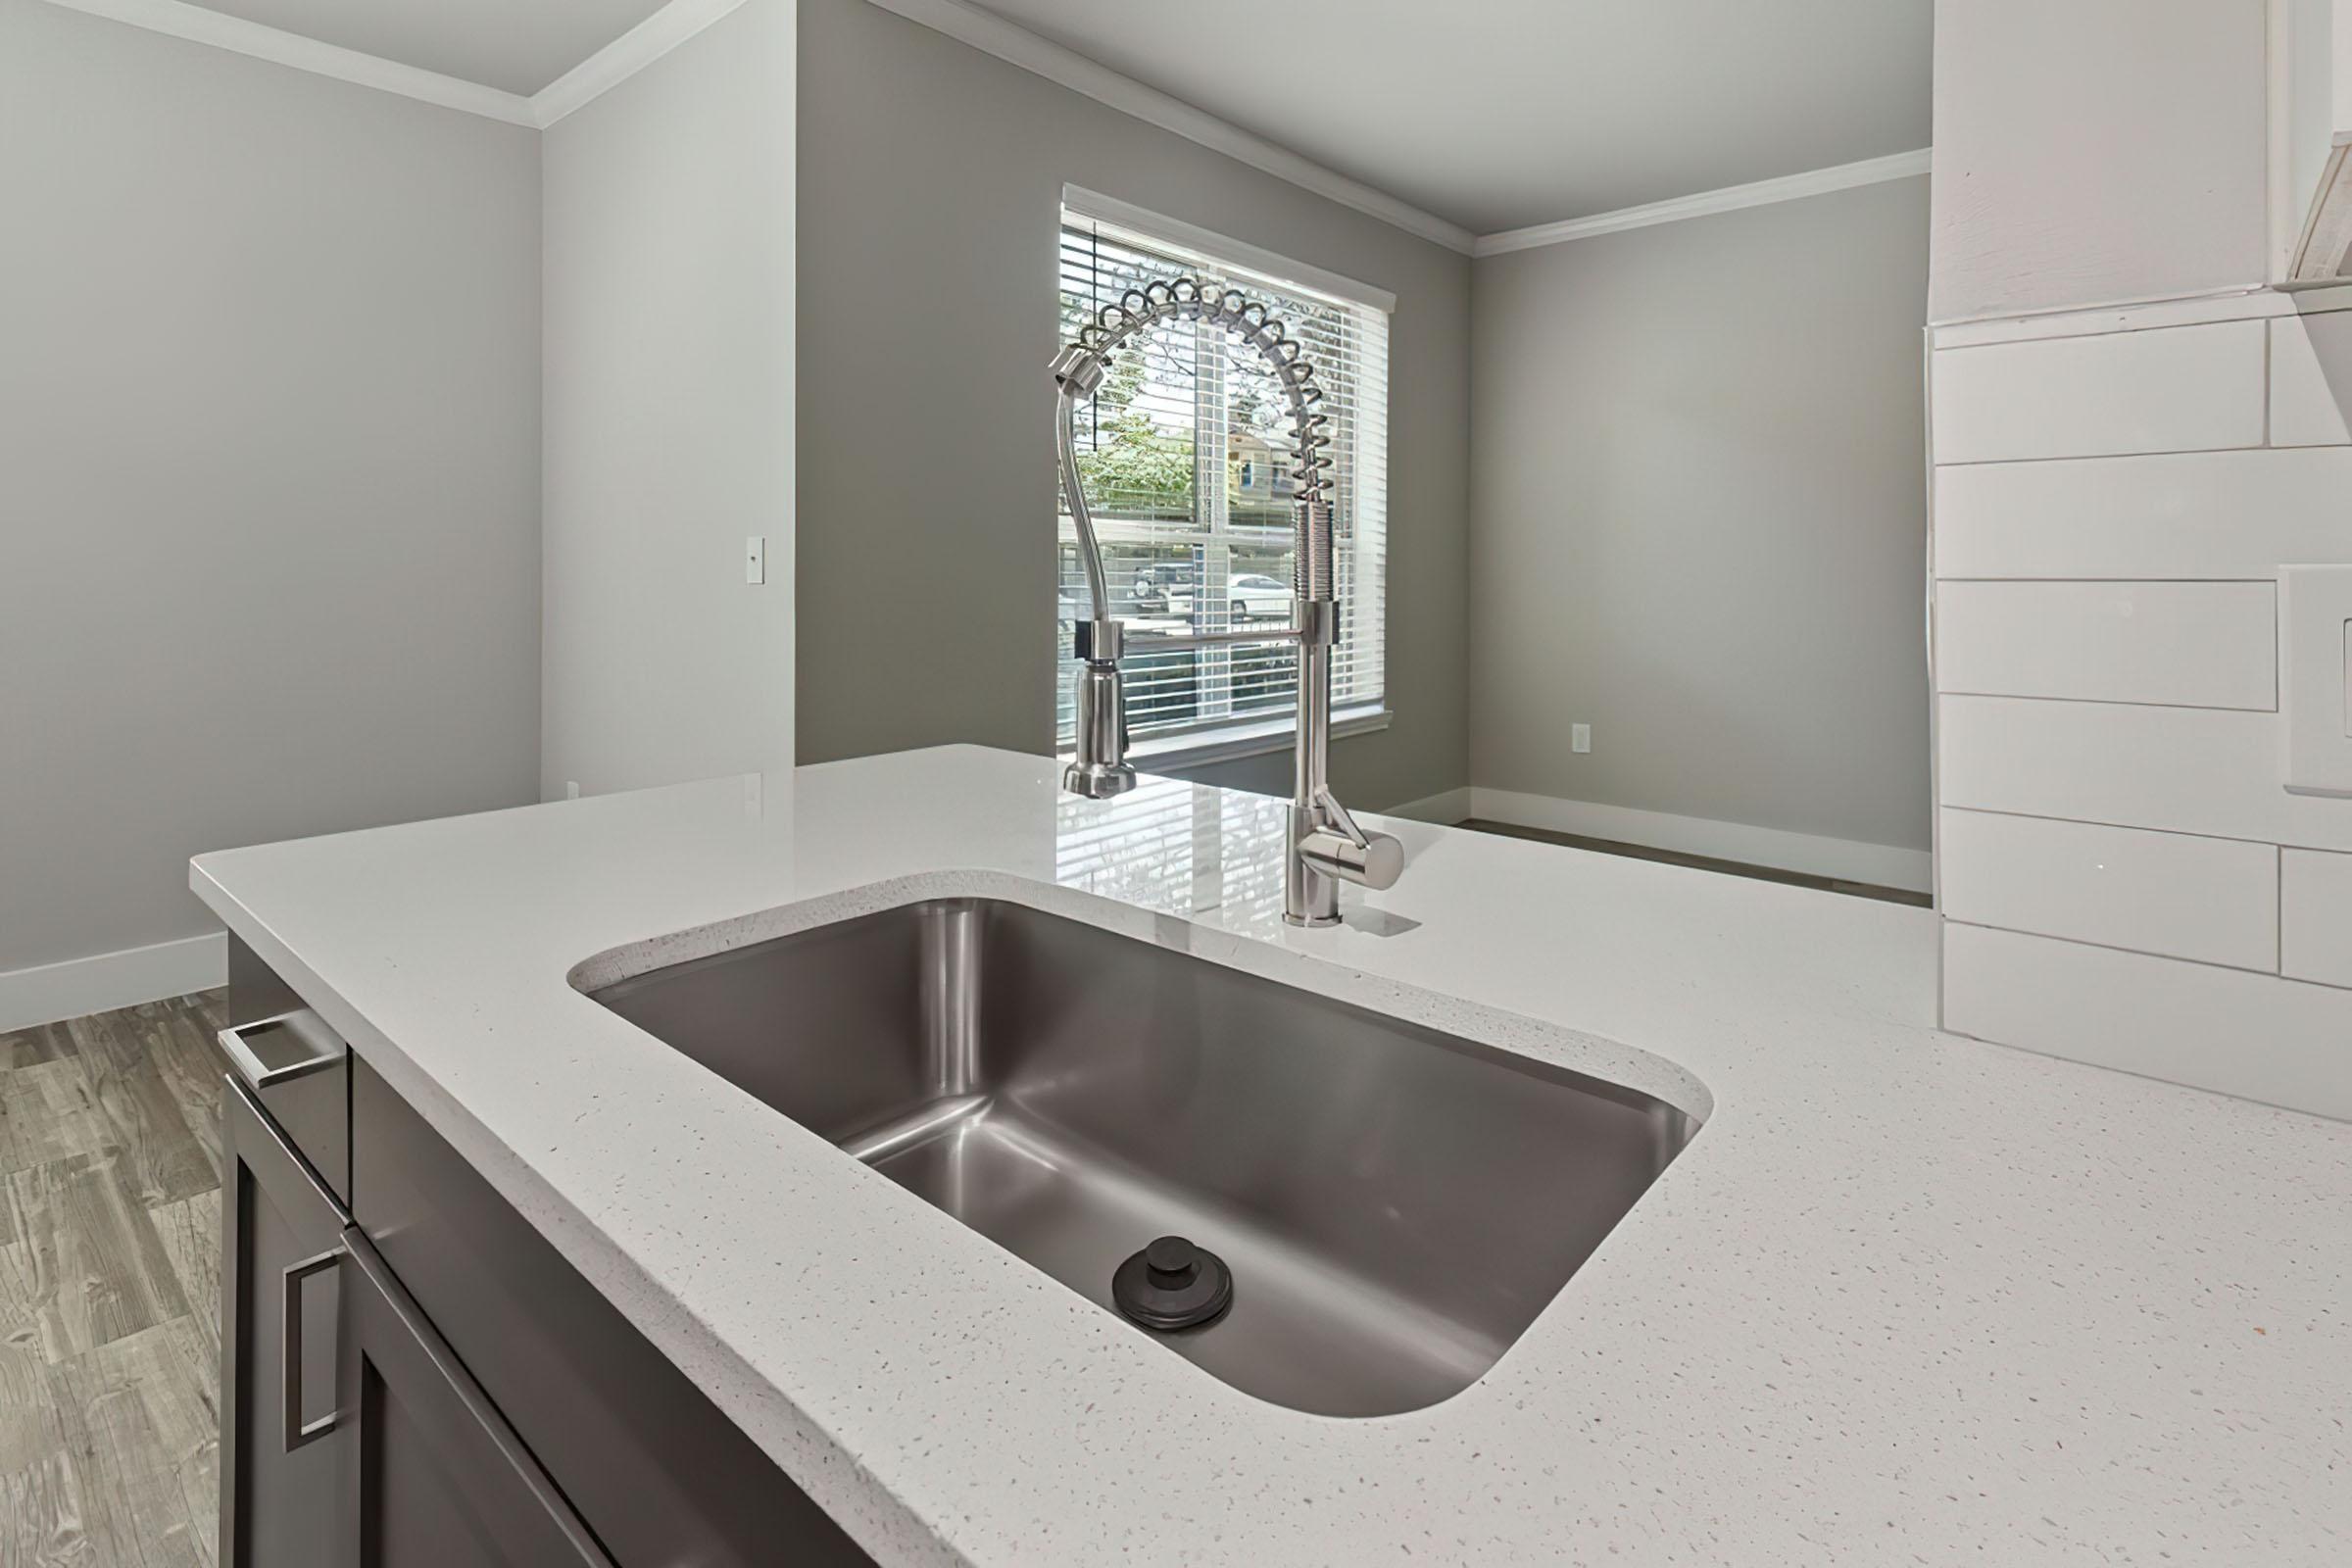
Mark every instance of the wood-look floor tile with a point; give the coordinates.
(161, 1157)
(40, 1517)
(183, 1052)
(109, 1289)
(90, 1269)
(23, 1047)
(48, 1113)
(142, 1434)
(190, 1233)
(29, 1417)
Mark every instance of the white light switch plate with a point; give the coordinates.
(2315, 677)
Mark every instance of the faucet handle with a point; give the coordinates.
(1368, 860)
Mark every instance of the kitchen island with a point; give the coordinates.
(1904, 1295)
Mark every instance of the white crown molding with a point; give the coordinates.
(198, 25)
(1764, 192)
(599, 74)
(626, 56)
(1017, 45)
(680, 20)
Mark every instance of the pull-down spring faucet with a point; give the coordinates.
(1325, 845)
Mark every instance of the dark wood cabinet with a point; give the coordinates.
(278, 1491)
(657, 1471)
(414, 1377)
(353, 1438)
(432, 1474)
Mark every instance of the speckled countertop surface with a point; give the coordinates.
(1906, 1298)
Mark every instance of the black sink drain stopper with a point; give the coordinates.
(1172, 1284)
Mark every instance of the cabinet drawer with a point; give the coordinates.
(293, 1064)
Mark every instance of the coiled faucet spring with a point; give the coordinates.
(1326, 845)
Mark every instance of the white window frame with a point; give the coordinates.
(1214, 740)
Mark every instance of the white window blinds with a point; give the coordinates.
(1185, 454)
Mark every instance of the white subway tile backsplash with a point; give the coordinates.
(2125, 879)
(2211, 514)
(2259, 1036)
(2176, 389)
(2181, 769)
(2311, 381)
(2197, 644)
(2316, 915)
(2213, 900)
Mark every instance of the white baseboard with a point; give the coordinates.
(1883, 866)
(1446, 808)
(104, 980)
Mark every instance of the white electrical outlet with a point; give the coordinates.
(571, 789)
(755, 559)
(1580, 737)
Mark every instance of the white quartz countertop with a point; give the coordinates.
(1906, 1298)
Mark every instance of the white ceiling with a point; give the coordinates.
(517, 46)
(1502, 114)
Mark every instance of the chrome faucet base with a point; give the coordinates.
(1098, 781)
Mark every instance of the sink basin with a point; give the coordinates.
(1394, 1204)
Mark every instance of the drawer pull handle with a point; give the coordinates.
(261, 1075)
(297, 1434)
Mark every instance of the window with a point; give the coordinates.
(1185, 454)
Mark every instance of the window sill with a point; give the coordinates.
(1158, 753)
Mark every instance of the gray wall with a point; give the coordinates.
(268, 488)
(2096, 151)
(1699, 518)
(931, 179)
(669, 417)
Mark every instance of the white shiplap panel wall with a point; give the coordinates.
(2311, 381)
(2316, 905)
(2125, 879)
(2189, 389)
(2252, 1035)
(2206, 514)
(2194, 644)
(2178, 769)
(2174, 894)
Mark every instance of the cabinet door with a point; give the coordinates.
(433, 1476)
(280, 1475)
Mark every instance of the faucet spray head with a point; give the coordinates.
(1078, 370)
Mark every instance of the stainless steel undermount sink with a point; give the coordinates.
(1394, 1204)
